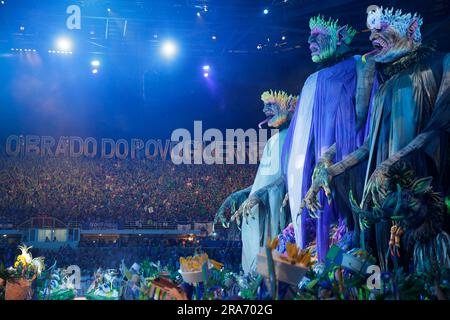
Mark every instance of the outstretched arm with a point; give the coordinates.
(325, 172)
(232, 202)
(439, 122)
(329, 154)
(258, 197)
(350, 160)
(365, 71)
(375, 187)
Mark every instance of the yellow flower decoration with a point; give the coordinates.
(296, 255)
(20, 260)
(193, 264)
(272, 244)
(216, 264)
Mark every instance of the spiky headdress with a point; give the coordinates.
(376, 16)
(332, 26)
(281, 98)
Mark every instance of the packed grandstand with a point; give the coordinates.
(95, 192)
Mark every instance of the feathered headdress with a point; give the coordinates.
(281, 98)
(377, 16)
(332, 26)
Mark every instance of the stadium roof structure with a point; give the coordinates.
(213, 27)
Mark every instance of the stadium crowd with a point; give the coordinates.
(116, 191)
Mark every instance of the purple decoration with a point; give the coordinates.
(333, 121)
(286, 236)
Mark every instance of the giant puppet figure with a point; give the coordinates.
(409, 127)
(329, 123)
(267, 218)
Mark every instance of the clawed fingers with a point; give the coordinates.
(236, 215)
(302, 205)
(328, 193)
(285, 200)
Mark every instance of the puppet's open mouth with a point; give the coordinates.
(269, 113)
(379, 44)
(315, 51)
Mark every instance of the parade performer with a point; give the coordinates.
(329, 123)
(278, 108)
(409, 119)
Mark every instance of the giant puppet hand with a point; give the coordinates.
(377, 185)
(321, 179)
(245, 210)
(232, 202)
(260, 197)
(325, 171)
(375, 189)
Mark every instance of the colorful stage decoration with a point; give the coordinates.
(20, 277)
(289, 267)
(409, 124)
(106, 285)
(329, 122)
(416, 214)
(258, 206)
(55, 284)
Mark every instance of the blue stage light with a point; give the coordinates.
(95, 71)
(95, 63)
(64, 44)
(206, 67)
(199, 14)
(206, 74)
(266, 11)
(169, 49)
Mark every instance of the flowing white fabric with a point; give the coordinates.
(269, 171)
(299, 147)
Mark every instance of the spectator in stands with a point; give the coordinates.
(111, 192)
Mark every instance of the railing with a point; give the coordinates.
(151, 226)
(43, 222)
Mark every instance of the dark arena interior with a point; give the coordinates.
(224, 150)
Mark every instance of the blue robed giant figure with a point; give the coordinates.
(329, 123)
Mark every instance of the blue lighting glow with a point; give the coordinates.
(64, 44)
(169, 49)
(266, 11)
(95, 63)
